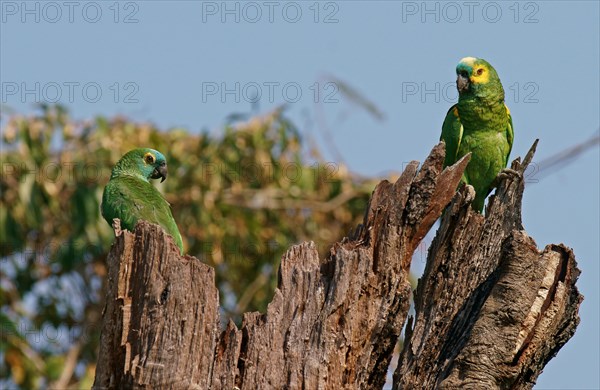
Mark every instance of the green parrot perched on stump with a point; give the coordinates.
(130, 196)
(480, 124)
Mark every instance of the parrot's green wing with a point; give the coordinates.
(509, 135)
(131, 199)
(452, 131)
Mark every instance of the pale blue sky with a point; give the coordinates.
(171, 64)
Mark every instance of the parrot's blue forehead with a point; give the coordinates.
(158, 155)
(466, 64)
(463, 68)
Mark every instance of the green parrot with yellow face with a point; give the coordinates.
(480, 124)
(130, 196)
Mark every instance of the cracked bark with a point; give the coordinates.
(491, 310)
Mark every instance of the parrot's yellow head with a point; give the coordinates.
(474, 74)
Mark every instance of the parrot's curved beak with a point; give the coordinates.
(462, 83)
(160, 171)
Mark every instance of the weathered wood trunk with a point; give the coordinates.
(491, 310)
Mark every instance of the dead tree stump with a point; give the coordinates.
(491, 310)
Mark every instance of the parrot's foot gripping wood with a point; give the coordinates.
(469, 193)
(507, 173)
(516, 174)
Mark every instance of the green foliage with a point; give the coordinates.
(240, 200)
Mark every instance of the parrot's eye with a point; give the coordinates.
(479, 71)
(149, 158)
